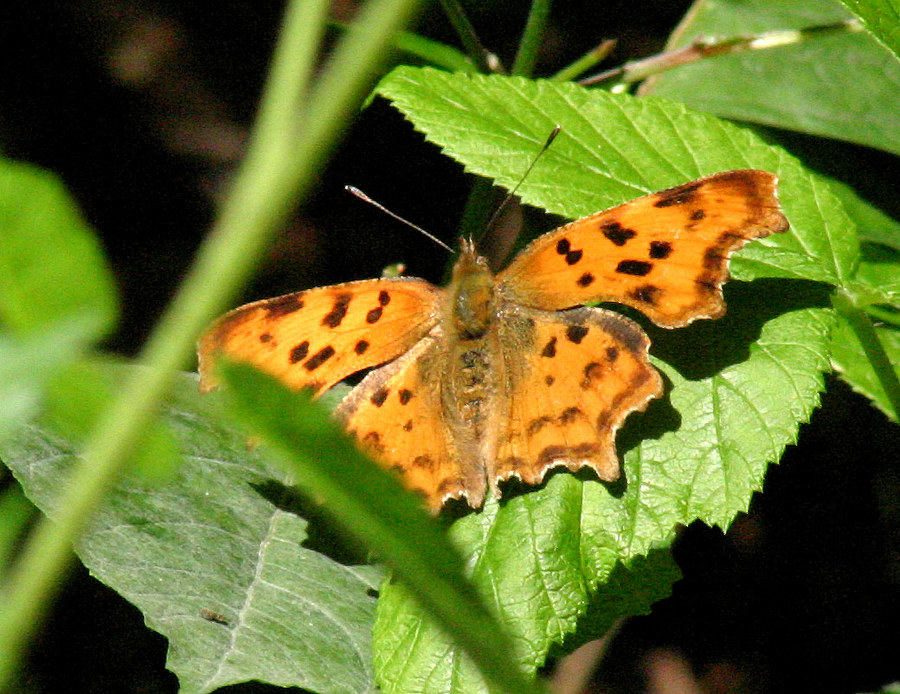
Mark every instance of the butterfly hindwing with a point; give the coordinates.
(572, 379)
(397, 416)
(315, 338)
(665, 254)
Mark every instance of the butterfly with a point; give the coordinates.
(509, 375)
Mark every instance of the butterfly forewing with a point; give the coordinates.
(313, 339)
(665, 254)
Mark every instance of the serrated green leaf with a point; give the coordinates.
(614, 147)
(51, 266)
(372, 505)
(223, 537)
(882, 18)
(737, 388)
(840, 85)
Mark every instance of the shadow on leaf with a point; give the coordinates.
(707, 347)
(321, 534)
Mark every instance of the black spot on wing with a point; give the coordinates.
(379, 396)
(338, 310)
(550, 348)
(576, 333)
(592, 372)
(639, 268)
(319, 358)
(647, 294)
(535, 425)
(618, 234)
(570, 414)
(660, 250)
(564, 248)
(300, 352)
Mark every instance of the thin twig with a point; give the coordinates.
(703, 48)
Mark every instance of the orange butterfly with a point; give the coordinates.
(497, 376)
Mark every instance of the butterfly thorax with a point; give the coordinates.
(472, 294)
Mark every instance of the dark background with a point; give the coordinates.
(143, 109)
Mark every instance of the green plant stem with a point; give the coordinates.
(433, 52)
(484, 60)
(273, 174)
(865, 332)
(585, 62)
(530, 45)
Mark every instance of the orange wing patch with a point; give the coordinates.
(396, 415)
(313, 339)
(665, 254)
(584, 372)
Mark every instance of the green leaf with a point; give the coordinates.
(737, 388)
(414, 655)
(56, 291)
(371, 504)
(882, 18)
(51, 266)
(223, 537)
(840, 85)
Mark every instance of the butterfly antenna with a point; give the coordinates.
(511, 194)
(365, 198)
